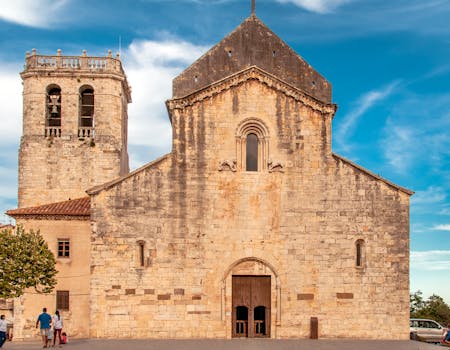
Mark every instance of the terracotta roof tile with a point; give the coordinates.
(74, 207)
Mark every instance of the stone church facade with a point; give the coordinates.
(250, 227)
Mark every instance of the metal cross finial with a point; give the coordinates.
(253, 6)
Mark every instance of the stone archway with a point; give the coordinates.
(256, 270)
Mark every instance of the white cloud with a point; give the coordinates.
(319, 6)
(11, 102)
(362, 105)
(445, 227)
(431, 195)
(11, 118)
(399, 145)
(150, 67)
(41, 13)
(431, 260)
(416, 133)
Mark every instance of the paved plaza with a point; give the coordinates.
(235, 344)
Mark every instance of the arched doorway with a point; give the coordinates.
(239, 304)
(251, 305)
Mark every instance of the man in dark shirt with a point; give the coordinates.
(45, 320)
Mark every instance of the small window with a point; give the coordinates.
(62, 300)
(259, 316)
(141, 253)
(63, 248)
(241, 321)
(251, 153)
(360, 254)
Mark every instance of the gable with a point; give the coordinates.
(252, 44)
(251, 73)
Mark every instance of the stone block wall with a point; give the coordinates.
(297, 223)
(55, 169)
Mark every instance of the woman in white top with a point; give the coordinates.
(57, 327)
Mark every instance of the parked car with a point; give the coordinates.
(425, 330)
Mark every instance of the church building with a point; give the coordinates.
(250, 227)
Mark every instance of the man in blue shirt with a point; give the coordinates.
(45, 320)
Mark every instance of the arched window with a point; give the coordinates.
(252, 145)
(86, 120)
(53, 111)
(360, 253)
(251, 153)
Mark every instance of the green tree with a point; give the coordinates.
(25, 262)
(416, 302)
(434, 308)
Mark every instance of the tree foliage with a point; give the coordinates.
(25, 261)
(434, 308)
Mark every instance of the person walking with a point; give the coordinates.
(57, 327)
(45, 320)
(3, 328)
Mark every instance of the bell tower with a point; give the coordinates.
(74, 126)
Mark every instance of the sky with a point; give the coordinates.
(388, 63)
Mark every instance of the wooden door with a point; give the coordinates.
(251, 306)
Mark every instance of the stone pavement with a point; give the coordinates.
(234, 344)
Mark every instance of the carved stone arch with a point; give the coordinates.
(226, 288)
(252, 125)
(50, 87)
(256, 127)
(251, 258)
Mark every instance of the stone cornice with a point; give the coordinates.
(71, 74)
(251, 73)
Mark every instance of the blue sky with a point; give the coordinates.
(388, 62)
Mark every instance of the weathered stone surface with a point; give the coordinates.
(166, 239)
(53, 168)
(299, 226)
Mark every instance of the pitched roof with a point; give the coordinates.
(80, 207)
(378, 177)
(96, 189)
(252, 44)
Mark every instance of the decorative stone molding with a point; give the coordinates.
(227, 164)
(259, 128)
(275, 167)
(277, 287)
(252, 73)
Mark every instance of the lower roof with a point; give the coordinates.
(80, 207)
